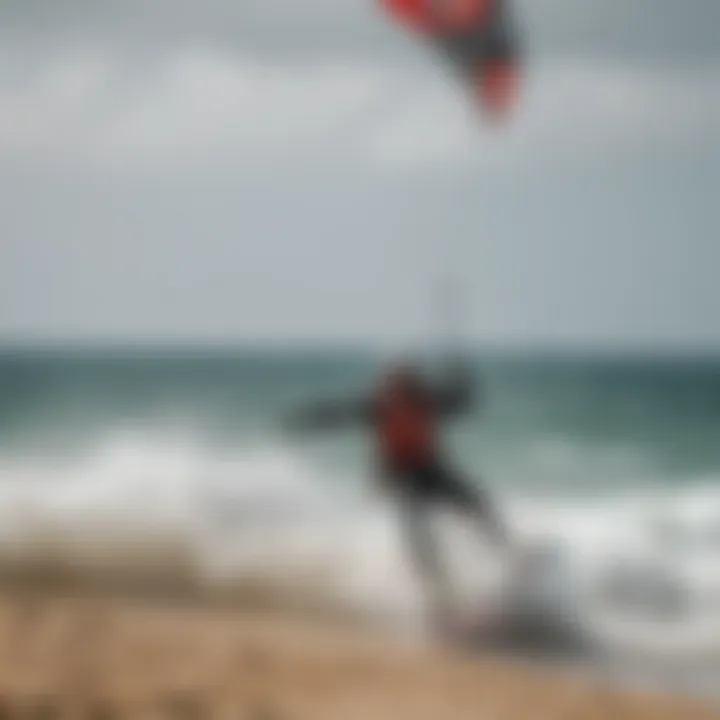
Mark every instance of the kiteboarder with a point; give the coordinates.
(405, 414)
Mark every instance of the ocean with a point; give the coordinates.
(175, 462)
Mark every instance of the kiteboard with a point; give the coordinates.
(532, 607)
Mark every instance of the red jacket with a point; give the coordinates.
(406, 429)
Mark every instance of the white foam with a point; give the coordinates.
(266, 517)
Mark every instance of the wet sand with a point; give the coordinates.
(73, 657)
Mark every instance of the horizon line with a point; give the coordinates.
(497, 348)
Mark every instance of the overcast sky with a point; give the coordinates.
(229, 170)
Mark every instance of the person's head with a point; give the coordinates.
(402, 377)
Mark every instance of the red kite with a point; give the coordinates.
(477, 37)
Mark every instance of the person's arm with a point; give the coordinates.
(329, 415)
(457, 392)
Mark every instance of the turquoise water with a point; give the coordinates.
(545, 425)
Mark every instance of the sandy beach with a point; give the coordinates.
(103, 657)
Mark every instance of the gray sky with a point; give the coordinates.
(233, 170)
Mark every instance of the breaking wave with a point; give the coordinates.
(634, 573)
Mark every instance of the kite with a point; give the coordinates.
(478, 39)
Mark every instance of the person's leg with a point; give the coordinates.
(473, 501)
(423, 548)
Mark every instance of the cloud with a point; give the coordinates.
(194, 108)
(644, 30)
(204, 109)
